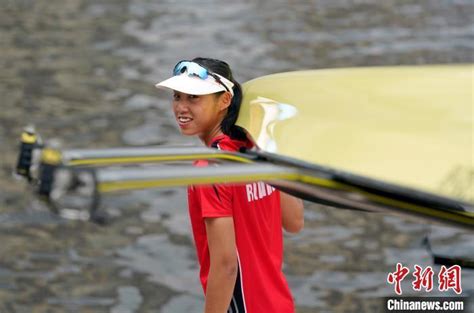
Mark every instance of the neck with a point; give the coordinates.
(207, 138)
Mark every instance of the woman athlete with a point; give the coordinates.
(237, 229)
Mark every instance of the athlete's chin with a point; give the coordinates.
(188, 132)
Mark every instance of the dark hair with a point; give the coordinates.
(228, 126)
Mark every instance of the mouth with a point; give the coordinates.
(184, 120)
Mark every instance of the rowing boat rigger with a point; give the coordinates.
(389, 139)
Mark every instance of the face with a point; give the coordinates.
(199, 115)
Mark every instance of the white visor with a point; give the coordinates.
(194, 85)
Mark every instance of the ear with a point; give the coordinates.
(224, 101)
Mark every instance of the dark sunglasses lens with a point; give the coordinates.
(180, 68)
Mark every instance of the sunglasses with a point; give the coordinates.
(194, 69)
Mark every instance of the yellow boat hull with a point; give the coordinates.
(409, 125)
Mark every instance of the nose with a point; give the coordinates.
(180, 106)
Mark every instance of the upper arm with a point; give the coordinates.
(221, 241)
(291, 213)
(217, 212)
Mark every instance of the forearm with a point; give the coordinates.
(220, 287)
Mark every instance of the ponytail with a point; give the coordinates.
(228, 123)
(228, 126)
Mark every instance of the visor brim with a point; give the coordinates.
(191, 85)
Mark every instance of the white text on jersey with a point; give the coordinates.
(258, 190)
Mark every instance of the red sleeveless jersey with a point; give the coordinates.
(255, 207)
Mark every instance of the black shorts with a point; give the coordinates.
(237, 302)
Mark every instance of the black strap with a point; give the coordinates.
(215, 143)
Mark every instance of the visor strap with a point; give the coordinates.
(226, 82)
